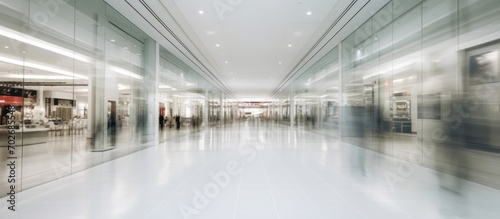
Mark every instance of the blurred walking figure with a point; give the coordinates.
(359, 129)
(112, 130)
(453, 166)
(194, 122)
(177, 121)
(96, 138)
(161, 122)
(454, 160)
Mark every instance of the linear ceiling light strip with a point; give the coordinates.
(296, 69)
(213, 76)
(187, 36)
(166, 38)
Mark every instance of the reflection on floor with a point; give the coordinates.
(254, 170)
(66, 152)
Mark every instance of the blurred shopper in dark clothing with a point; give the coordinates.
(161, 122)
(177, 121)
(451, 160)
(112, 130)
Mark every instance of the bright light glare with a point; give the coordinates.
(42, 44)
(42, 67)
(126, 72)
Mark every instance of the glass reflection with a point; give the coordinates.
(410, 84)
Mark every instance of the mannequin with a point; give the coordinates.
(18, 117)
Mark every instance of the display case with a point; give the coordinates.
(401, 120)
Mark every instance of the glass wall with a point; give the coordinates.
(183, 94)
(316, 96)
(419, 81)
(81, 85)
(281, 107)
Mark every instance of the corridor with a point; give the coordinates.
(256, 169)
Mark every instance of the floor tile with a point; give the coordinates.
(271, 171)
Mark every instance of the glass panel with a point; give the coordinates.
(316, 98)
(14, 25)
(419, 81)
(440, 79)
(475, 117)
(351, 106)
(406, 75)
(89, 41)
(382, 75)
(49, 72)
(183, 97)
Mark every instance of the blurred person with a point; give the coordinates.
(453, 166)
(18, 117)
(373, 137)
(167, 121)
(359, 128)
(161, 122)
(112, 130)
(96, 134)
(196, 122)
(177, 121)
(454, 145)
(120, 121)
(171, 121)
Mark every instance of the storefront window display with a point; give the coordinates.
(417, 79)
(78, 77)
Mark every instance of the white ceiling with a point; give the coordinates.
(243, 45)
(253, 37)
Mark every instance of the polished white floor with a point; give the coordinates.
(256, 170)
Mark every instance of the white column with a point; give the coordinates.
(97, 112)
(151, 66)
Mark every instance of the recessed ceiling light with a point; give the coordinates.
(279, 63)
(309, 13)
(217, 45)
(289, 45)
(6, 47)
(226, 62)
(201, 12)
(112, 40)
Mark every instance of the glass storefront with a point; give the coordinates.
(419, 81)
(85, 86)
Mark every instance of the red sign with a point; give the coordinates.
(10, 100)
